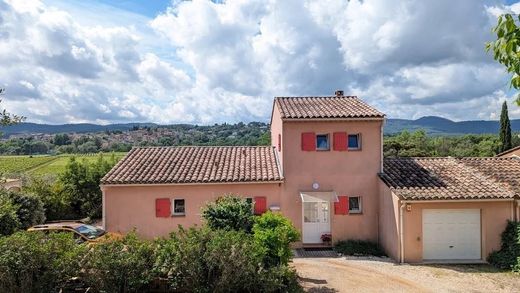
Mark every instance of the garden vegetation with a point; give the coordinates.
(199, 259)
(508, 257)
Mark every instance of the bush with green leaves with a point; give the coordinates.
(81, 184)
(229, 213)
(358, 247)
(9, 221)
(30, 210)
(274, 233)
(508, 257)
(204, 260)
(38, 262)
(119, 265)
(56, 202)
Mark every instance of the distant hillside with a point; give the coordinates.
(431, 124)
(442, 126)
(33, 128)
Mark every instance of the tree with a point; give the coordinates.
(8, 118)
(506, 48)
(229, 213)
(81, 184)
(61, 139)
(505, 129)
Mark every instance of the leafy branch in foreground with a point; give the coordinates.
(506, 48)
(8, 118)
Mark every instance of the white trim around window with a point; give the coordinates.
(352, 203)
(178, 207)
(358, 135)
(327, 138)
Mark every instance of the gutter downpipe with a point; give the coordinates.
(401, 234)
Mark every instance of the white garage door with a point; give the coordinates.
(451, 234)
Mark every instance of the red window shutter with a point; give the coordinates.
(340, 141)
(260, 205)
(162, 208)
(279, 142)
(341, 206)
(308, 141)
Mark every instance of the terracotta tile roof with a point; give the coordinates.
(325, 107)
(451, 178)
(196, 164)
(505, 153)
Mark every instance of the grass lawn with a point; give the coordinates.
(41, 165)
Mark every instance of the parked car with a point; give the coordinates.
(81, 231)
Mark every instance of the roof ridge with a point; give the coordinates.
(307, 97)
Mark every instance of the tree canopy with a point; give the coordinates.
(506, 48)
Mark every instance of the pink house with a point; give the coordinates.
(324, 171)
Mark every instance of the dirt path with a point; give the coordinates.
(381, 275)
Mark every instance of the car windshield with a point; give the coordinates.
(90, 232)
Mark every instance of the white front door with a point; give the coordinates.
(451, 234)
(316, 221)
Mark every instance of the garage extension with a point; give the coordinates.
(446, 209)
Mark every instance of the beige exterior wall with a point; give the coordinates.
(388, 221)
(129, 207)
(277, 129)
(494, 216)
(351, 173)
(511, 153)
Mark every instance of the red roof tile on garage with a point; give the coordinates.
(451, 178)
(339, 107)
(196, 164)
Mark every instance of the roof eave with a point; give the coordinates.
(334, 119)
(113, 184)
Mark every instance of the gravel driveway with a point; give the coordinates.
(353, 274)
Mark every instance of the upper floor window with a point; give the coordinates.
(354, 141)
(322, 142)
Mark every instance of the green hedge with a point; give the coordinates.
(190, 260)
(358, 247)
(508, 257)
(36, 262)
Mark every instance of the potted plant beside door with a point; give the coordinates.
(326, 238)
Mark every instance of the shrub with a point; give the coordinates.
(36, 262)
(56, 202)
(229, 213)
(274, 233)
(201, 260)
(8, 219)
(279, 279)
(29, 209)
(119, 265)
(508, 257)
(81, 184)
(358, 247)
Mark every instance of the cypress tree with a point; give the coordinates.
(505, 129)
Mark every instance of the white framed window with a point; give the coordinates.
(354, 205)
(322, 142)
(178, 207)
(354, 141)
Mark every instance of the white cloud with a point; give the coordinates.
(203, 62)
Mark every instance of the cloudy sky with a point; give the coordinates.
(107, 61)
